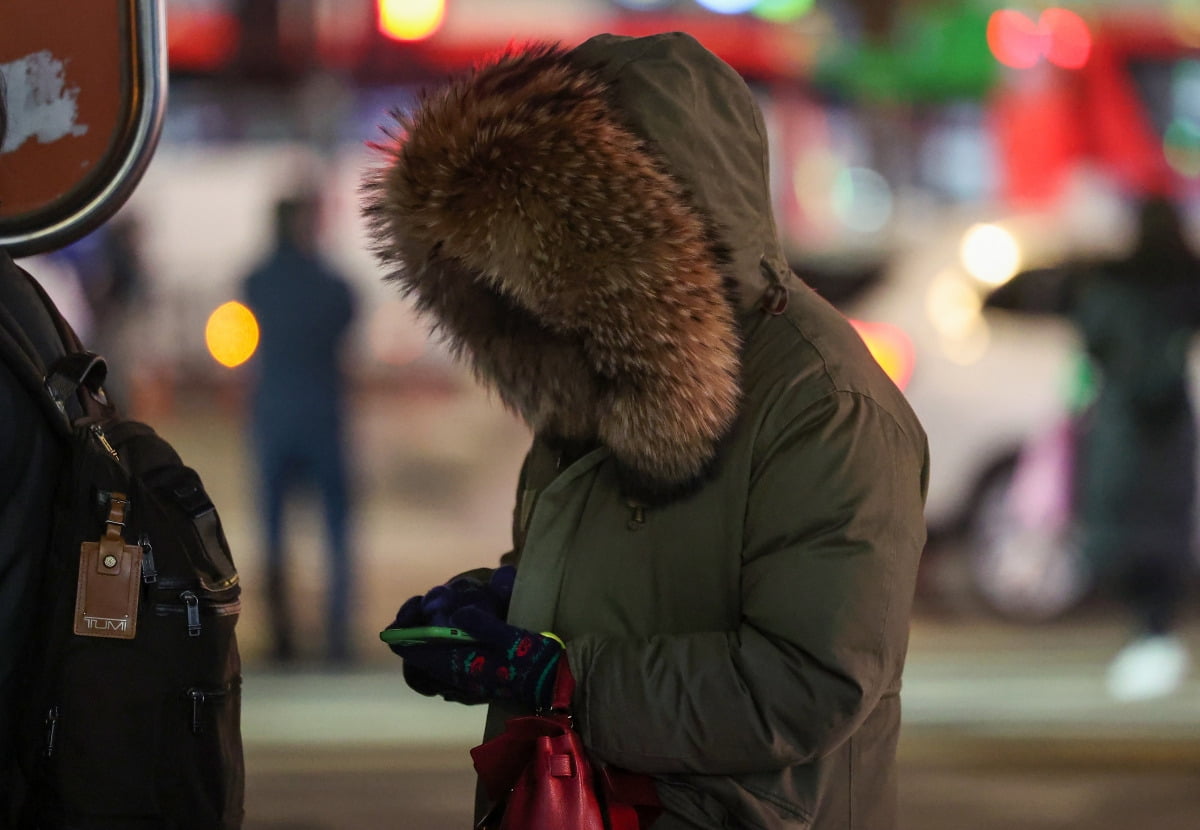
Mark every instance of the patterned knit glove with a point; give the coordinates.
(504, 663)
(436, 606)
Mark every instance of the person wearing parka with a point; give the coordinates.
(721, 514)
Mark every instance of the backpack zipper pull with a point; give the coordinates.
(51, 730)
(98, 432)
(198, 698)
(149, 573)
(193, 612)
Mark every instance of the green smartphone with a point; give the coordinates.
(424, 635)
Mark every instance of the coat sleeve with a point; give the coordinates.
(833, 531)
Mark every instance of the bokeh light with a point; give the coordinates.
(990, 254)
(1014, 39)
(1070, 40)
(952, 305)
(1059, 35)
(410, 19)
(782, 11)
(891, 348)
(955, 309)
(728, 6)
(231, 334)
(862, 199)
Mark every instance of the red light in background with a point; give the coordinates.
(410, 19)
(200, 41)
(1070, 42)
(1014, 39)
(1059, 35)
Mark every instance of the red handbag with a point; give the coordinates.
(538, 775)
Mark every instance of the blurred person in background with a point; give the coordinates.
(304, 312)
(721, 514)
(30, 459)
(1137, 456)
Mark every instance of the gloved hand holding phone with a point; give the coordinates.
(503, 662)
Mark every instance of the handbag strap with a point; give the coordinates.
(564, 687)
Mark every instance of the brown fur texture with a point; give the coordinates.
(563, 260)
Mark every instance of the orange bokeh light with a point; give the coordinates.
(891, 348)
(410, 19)
(231, 334)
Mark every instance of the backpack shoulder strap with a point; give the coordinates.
(43, 351)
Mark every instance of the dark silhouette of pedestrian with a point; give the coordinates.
(1137, 480)
(304, 311)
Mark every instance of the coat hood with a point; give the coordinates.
(583, 226)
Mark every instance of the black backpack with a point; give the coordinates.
(132, 695)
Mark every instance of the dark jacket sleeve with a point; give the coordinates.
(833, 532)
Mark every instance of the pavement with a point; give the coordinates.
(1005, 726)
(977, 685)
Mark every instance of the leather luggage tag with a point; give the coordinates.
(106, 597)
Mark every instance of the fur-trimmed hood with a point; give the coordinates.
(583, 226)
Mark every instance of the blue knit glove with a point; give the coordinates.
(436, 606)
(504, 663)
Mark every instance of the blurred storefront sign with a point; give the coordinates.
(385, 41)
(1107, 111)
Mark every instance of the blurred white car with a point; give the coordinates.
(991, 385)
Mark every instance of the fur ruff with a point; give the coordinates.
(563, 261)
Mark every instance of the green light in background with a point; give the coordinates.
(782, 11)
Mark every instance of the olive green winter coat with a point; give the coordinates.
(722, 512)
